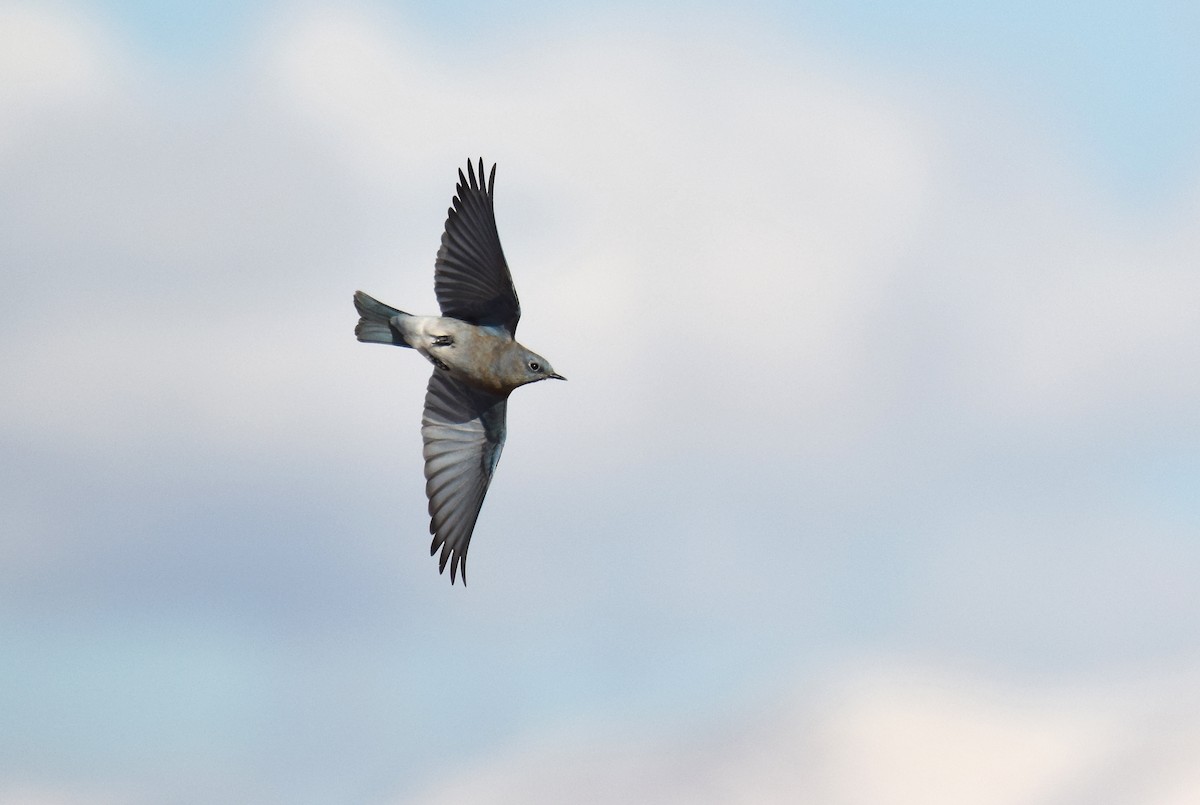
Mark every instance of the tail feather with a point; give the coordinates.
(375, 326)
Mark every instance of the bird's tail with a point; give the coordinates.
(375, 326)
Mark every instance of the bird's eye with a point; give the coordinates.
(534, 366)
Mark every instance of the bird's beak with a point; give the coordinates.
(555, 376)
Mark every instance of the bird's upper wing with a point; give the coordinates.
(471, 278)
(463, 429)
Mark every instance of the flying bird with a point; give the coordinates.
(476, 364)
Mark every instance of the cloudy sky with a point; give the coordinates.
(875, 480)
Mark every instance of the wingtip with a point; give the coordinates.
(458, 569)
(456, 560)
(476, 182)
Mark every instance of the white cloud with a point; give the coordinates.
(1081, 319)
(701, 217)
(688, 223)
(49, 63)
(888, 732)
(682, 212)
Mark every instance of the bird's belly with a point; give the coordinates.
(460, 349)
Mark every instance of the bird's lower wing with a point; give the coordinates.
(463, 429)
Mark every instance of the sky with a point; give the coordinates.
(875, 477)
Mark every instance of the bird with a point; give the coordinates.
(477, 363)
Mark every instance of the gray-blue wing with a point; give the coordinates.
(463, 429)
(471, 278)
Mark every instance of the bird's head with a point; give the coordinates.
(529, 367)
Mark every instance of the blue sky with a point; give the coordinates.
(879, 445)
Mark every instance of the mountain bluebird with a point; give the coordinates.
(477, 363)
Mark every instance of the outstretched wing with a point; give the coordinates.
(470, 278)
(463, 429)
